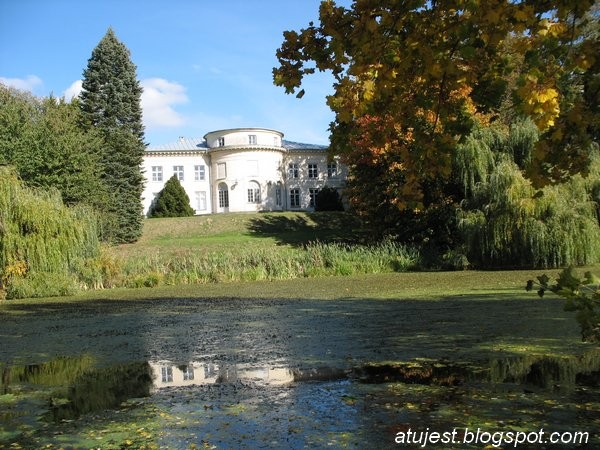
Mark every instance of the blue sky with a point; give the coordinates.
(204, 65)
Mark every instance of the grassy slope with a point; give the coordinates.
(229, 231)
(287, 231)
(279, 231)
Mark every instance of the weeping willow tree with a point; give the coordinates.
(42, 242)
(508, 223)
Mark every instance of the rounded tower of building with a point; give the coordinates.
(246, 169)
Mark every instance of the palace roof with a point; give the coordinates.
(199, 144)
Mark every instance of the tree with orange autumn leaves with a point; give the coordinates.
(413, 78)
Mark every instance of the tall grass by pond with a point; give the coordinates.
(236, 247)
(250, 264)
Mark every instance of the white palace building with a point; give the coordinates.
(242, 169)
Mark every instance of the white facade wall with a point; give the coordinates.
(245, 169)
(170, 164)
(306, 180)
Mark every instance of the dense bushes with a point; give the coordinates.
(42, 242)
(506, 222)
(43, 140)
(328, 199)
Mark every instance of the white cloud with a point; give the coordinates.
(28, 83)
(73, 90)
(158, 99)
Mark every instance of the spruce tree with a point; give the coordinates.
(110, 102)
(172, 201)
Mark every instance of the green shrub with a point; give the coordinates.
(508, 222)
(43, 284)
(582, 296)
(455, 260)
(172, 201)
(328, 199)
(100, 272)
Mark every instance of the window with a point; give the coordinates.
(276, 141)
(252, 139)
(157, 173)
(313, 172)
(178, 172)
(278, 196)
(252, 167)
(313, 197)
(253, 192)
(201, 201)
(221, 170)
(199, 173)
(221, 142)
(223, 196)
(293, 170)
(332, 170)
(210, 371)
(166, 374)
(188, 372)
(294, 198)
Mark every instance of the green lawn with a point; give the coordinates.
(396, 286)
(224, 232)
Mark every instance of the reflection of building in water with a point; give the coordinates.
(167, 374)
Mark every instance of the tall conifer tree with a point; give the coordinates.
(110, 102)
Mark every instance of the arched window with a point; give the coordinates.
(223, 196)
(253, 192)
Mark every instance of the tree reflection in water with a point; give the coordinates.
(74, 386)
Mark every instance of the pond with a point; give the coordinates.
(244, 373)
